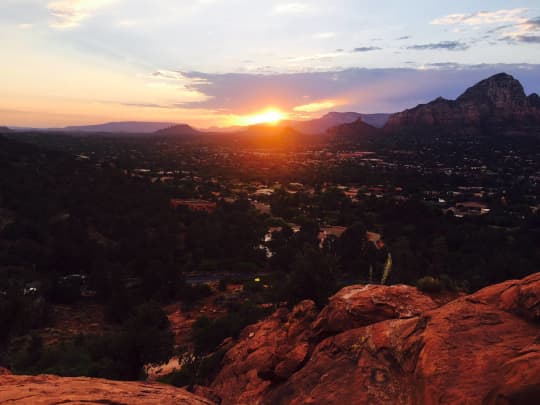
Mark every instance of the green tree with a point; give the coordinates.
(313, 276)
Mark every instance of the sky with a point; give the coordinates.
(223, 62)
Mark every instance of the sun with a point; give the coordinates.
(269, 116)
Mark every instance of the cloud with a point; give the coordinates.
(404, 37)
(315, 107)
(293, 8)
(324, 35)
(527, 31)
(531, 39)
(444, 45)
(70, 13)
(483, 17)
(444, 65)
(357, 89)
(127, 23)
(173, 82)
(366, 49)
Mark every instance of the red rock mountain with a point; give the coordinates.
(392, 345)
(493, 103)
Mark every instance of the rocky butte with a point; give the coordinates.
(494, 104)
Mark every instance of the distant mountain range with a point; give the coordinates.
(133, 127)
(496, 104)
(309, 127)
(315, 126)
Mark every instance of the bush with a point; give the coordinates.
(313, 276)
(223, 283)
(20, 314)
(193, 293)
(196, 371)
(429, 284)
(145, 337)
(209, 333)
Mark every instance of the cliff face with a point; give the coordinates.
(492, 103)
(49, 390)
(392, 345)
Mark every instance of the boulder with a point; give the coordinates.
(49, 390)
(361, 305)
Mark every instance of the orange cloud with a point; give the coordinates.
(317, 106)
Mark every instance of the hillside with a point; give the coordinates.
(178, 130)
(333, 119)
(133, 127)
(352, 132)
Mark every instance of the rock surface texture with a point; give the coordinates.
(496, 102)
(48, 390)
(392, 345)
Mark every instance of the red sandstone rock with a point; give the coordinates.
(360, 305)
(206, 392)
(496, 101)
(48, 390)
(478, 349)
(521, 297)
(267, 352)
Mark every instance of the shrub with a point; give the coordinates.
(223, 283)
(145, 337)
(313, 276)
(209, 333)
(429, 284)
(196, 371)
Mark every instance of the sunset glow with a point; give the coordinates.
(269, 116)
(107, 60)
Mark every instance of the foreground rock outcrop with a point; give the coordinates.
(48, 390)
(392, 345)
